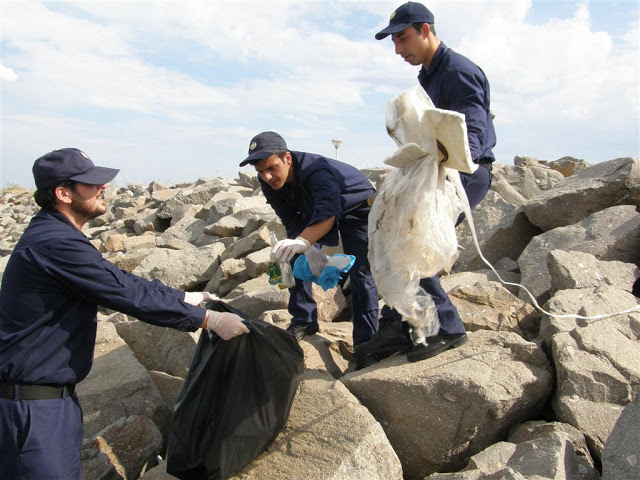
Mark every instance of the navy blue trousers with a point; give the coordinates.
(476, 186)
(41, 439)
(364, 295)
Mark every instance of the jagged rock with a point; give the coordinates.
(621, 458)
(571, 270)
(549, 457)
(527, 431)
(449, 282)
(256, 296)
(616, 182)
(181, 269)
(248, 180)
(568, 166)
(168, 386)
(115, 243)
(329, 350)
(531, 179)
(588, 302)
(280, 317)
(234, 224)
(188, 229)
(439, 412)
(256, 262)
(159, 348)
(507, 239)
(192, 195)
(489, 306)
(118, 386)
(227, 276)
(251, 243)
(221, 205)
(122, 450)
(611, 234)
(376, 175)
(131, 244)
(597, 374)
(129, 261)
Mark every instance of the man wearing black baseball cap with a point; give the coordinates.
(52, 286)
(317, 199)
(453, 82)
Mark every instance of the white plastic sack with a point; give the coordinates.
(412, 220)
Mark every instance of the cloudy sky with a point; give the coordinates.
(174, 90)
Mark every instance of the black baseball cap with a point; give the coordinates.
(264, 145)
(404, 16)
(69, 164)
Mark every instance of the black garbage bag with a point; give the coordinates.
(235, 400)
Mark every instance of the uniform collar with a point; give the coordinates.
(435, 61)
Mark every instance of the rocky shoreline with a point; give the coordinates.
(529, 396)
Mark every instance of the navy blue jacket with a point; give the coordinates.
(52, 286)
(453, 82)
(322, 188)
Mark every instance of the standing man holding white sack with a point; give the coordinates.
(455, 83)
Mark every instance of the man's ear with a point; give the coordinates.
(288, 158)
(63, 194)
(425, 30)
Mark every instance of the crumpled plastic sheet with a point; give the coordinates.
(330, 276)
(412, 220)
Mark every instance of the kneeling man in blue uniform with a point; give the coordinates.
(52, 286)
(319, 200)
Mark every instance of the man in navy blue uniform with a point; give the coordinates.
(52, 286)
(317, 199)
(453, 82)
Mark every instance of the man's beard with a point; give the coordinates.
(81, 207)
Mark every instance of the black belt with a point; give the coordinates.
(14, 391)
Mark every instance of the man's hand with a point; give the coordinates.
(284, 250)
(197, 298)
(226, 325)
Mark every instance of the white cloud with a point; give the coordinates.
(161, 78)
(7, 74)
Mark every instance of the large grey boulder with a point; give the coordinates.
(181, 269)
(550, 457)
(611, 234)
(621, 458)
(439, 412)
(118, 386)
(159, 348)
(329, 435)
(505, 239)
(573, 270)
(256, 296)
(229, 274)
(188, 229)
(616, 182)
(597, 374)
(534, 429)
(530, 179)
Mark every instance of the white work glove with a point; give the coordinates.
(197, 298)
(226, 325)
(284, 250)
